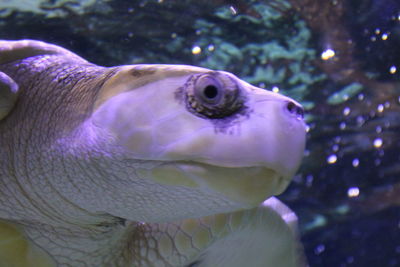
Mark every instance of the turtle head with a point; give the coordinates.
(146, 142)
(205, 131)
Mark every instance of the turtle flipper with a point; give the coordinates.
(8, 94)
(264, 236)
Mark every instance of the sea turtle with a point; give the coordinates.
(141, 165)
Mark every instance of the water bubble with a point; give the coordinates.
(233, 10)
(392, 69)
(372, 113)
(355, 162)
(353, 192)
(331, 159)
(350, 259)
(196, 50)
(378, 129)
(342, 125)
(380, 108)
(319, 249)
(335, 148)
(378, 143)
(275, 89)
(346, 111)
(385, 36)
(360, 121)
(211, 47)
(342, 209)
(309, 180)
(327, 54)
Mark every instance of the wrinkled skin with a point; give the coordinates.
(143, 165)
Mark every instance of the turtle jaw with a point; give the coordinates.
(246, 186)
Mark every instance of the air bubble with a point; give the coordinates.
(309, 180)
(380, 108)
(328, 54)
(196, 50)
(378, 143)
(319, 249)
(233, 10)
(385, 36)
(331, 159)
(355, 162)
(353, 192)
(335, 148)
(346, 111)
(275, 89)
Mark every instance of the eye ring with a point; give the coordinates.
(214, 95)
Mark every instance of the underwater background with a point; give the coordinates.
(339, 58)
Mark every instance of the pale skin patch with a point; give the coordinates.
(128, 78)
(246, 185)
(170, 175)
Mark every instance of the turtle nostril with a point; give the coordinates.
(295, 109)
(291, 107)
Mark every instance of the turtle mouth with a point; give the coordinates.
(248, 186)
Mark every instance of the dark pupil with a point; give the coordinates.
(210, 91)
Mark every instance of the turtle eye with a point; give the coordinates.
(209, 90)
(214, 95)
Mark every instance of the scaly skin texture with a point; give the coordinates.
(111, 167)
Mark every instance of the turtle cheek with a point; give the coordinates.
(125, 124)
(141, 127)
